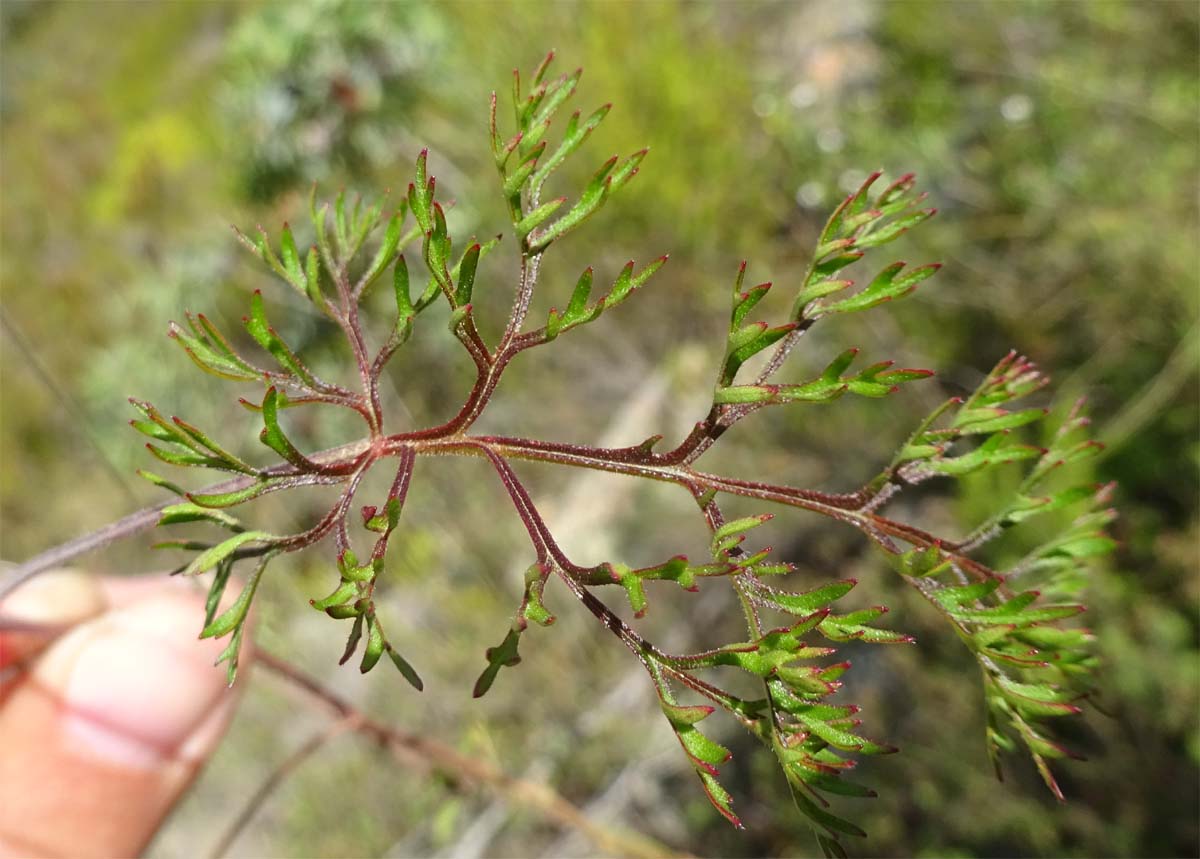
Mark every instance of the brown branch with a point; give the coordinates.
(275, 779)
(462, 770)
(147, 517)
(619, 461)
(447, 439)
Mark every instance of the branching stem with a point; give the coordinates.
(445, 440)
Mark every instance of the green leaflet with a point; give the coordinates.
(503, 655)
(211, 557)
(420, 194)
(230, 655)
(994, 451)
(343, 593)
(820, 288)
(207, 443)
(733, 533)
(744, 302)
(851, 207)
(917, 562)
(889, 284)
(573, 137)
(177, 458)
(843, 629)
(1027, 506)
(1005, 615)
(235, 615)
(387, 248)
(579, 312)
(273, 437)
(188, 512)
(216, 590)
(212, 359)
(161, 481)
(747, 342)
(677, 569)
(466, 276)
(515, 181)
(893, 231)
(992, 419)
(290, 255)
(1038, 699)
(532, 608)
(719, 797)
(288, 269)
(262, 332)
(957, 597)
(374, 648)
(843, 739)
(606, 180)
(682, 717)
(233, 498)
(802, 603)
(627, 281)
(878, 380)
(553, 98)
(352, 571)
(404, 305)
(353, 639)
(436, 250)
(535, 218)
(705, 753)
(194, 448)
(405, 669)
(575, 313)
(832, 823)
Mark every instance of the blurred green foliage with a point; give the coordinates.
(1059, 142)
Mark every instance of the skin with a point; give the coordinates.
(109, 707)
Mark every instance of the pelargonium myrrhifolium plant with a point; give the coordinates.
(1033, 665)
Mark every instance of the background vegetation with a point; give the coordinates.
(1060, 143)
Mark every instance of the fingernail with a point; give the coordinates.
(136, 683)
(54, 601)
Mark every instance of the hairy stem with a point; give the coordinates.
(147, 517)
(447, 440)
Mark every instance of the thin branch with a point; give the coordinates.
(335, 516)
(634, 461)
(276, 777)
(843, 508)
(783, 349)
(398, 493)
(539, 534)
(461, 769)
(134, 523)
(575, 576)
(81, 422)
(530, 267)
(147, 517)
(365, 369)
